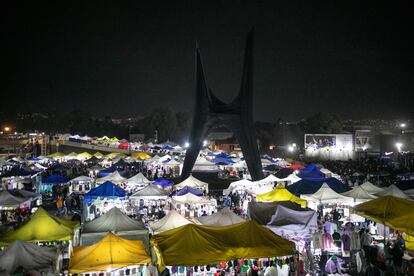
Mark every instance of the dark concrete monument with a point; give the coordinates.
(210, 112)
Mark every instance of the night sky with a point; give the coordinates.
(122, 58)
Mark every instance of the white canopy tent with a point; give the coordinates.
(359, 194)
(371, 188)
(7, 200)
(326, 195)
(172, 220)
(114, 177)
(30, 257)
(393, 191)
(240, 185)
(117, 222)
(189, 198)
(137, 180)
(293, 223)
(193, 182)
(202, 164)
(223, 217)
(150, 192)
(290, 179)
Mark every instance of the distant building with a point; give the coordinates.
(225, 141)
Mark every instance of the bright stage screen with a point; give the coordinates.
(329, 146)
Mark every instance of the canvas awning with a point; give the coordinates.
(371, 188)
(223, 217)
(150, 191)
(170, 221)
(280, 193)
(190, 199)
(192, 244)
(326, 195)
(109, 253)
(193, 182)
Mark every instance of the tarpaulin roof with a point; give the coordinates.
(150, 191)
(141, 155)
(28, 256)
(393, 191)
(105, 190)
(113, 177)
(7, 200)
(41, 227)
(54, 179)
(326, 195)
(394, 212)
(311, 172)
(359, 194)
(163, 182)
(192, 244)
(280, 193)
(190, 199)
(191, 181)
(98, 154)
(170, 221)
(109, 253)
(138, 179)
(293, 223)
(270, 179)
(187, 190)
(223, 160)
(371, 188)
(310, 187)
(82, 178)
(262, 212)
(223, 217)
(284, 173)
(296, 167)
(84, 155)
(242, 184)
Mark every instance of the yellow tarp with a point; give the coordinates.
(113, 155)
(409, 241)
(141, 155)
(394, 212)
(193, 244)
(98, 154)
(114, 139)
(56, 155)
(85, 154)
(280, 193)
(110, 252)
(41, 227)
(72, 154)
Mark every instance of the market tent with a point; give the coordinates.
(124, 145)
(138, 179)
(26, 195)
(107, 190)
(284, 172)
(305, 186)
(141, 155)
(114, 177)
(326, 195)
(239, 185)
(394, 212)
(7, 200)
(311, 172)
(296, 166)
(202, 164)
(280, 193)
(223, 217)
(262, 212)
(293, 223)
(56, 155)
(270, 179)
(192, 244)
(162, 182)
(393, 191)
(359, 194)
(41, 227)
(72, 154)
(98, 154)
(29, 257)
(82, 178)
(110, 252)
(114, 155)
(170, 221)
(84, 155)
(193, 182)
(55, 179)
(371, 188)
(150, 192)
(190, 199)
(290, 179)
(117, 222)
(187, 190)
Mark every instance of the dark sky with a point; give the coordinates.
(122, 58)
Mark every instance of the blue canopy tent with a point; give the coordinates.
(107, 190)
(187, 190)
(168, 148)
(306, 186)
(311, 172)
(163, 182)
(34, 159)
(49, 181)
(223, 160)
(110, 170)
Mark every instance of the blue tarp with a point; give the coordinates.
(187, 190)
(106, 190)
(167, 147)
(34, 159)
(305, 186)
(311, 172)
(55, 179)
(163, 182)
(222, 160)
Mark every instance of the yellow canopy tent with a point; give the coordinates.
(113, 155)
(280, 193)
(193, 244)
(85, 155)
(98, 154)
(109, 253)
(41, 227)
(72, 154)
(141, 155)
(56, 155)
(396, 213)
(114, 139)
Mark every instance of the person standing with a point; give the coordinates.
(366, 240)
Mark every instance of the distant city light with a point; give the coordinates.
(204, 143)
(399, 146)
(291, 148)
(186, 144)
(403, 125)
(7, 128)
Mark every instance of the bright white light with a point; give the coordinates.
(403, 125)
(290, 148)
(398, 145)
(186, 144)
(204, 143)
(364, 148)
